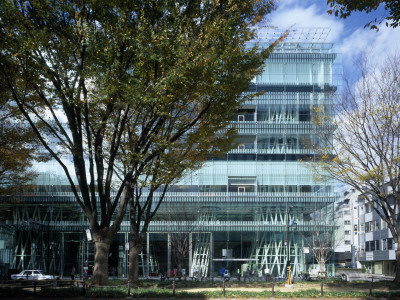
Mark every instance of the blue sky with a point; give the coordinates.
(350, 34)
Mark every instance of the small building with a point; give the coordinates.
(347, 234)
(376, 248)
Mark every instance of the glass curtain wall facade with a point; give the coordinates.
(236, 212)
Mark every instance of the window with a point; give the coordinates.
(347, 232)
(390, 244)
(384, 225)
(346, 212)
(372, 245)
(347, 242)
(387, 244)
(372, 226)
(242, 184)
(347, 222)
(240, 118)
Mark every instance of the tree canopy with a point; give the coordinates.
(18, 149)
(344, 8)
(133, 92)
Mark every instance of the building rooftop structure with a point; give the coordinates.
(308, 35)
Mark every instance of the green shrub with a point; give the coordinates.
(351, 270)
(114, 282)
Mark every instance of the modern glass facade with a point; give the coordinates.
(235, 212)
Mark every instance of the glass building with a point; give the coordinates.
(241, 212)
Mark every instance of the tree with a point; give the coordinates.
(366, 142)
(185, 224)
(180, 246)
(18, 149)
(135, 92)
(323, 235)
(344, 8)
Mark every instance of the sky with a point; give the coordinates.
(352, 38)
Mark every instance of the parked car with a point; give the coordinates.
(32, 275)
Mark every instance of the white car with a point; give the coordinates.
(32, 275)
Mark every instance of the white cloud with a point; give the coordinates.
(290, 14)
(375, 45)
(349, 34)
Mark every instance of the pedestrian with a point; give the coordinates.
(73, 272)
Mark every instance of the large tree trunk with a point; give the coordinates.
(321, 266)
(397, 277)
(133, 273)
(100, 271)
(179, 274)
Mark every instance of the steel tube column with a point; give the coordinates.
(62, 254)
(289, 279)
(211, 254)
(148, 255)
(169, 256)
(190, 254)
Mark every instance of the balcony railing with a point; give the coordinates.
(277, 150)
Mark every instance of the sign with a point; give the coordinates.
(306, 250)
(369, 256)
(88, 235)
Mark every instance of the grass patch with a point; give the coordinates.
(106, 292)
(15, 292)
(48, 292)
(163, 289)
(167, 293)
(66, 292)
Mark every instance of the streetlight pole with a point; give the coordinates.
(289, 279)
